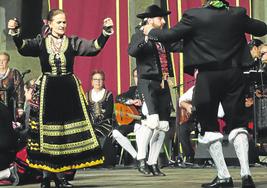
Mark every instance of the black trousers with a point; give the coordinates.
(225, 86)
(157, 99)
(185, 133)
(6, 158)
(125, 129)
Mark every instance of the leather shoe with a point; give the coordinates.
(45, 183)
(247, 182)
(62, 183)
(155, 170)
(219, 183)
(142, 167)
(14, 177)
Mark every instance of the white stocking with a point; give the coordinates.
(216, 152)
(143, 135)
(124, 142)
(4, 174)
(156, 142)
(241, 149)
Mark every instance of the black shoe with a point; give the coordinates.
(247, 182)
(14, 177)
(219, 183)
(62, 183)
(45, 183)
(155, 170)
(142, 167)
(189, 161)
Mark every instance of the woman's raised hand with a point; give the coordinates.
(108, 26)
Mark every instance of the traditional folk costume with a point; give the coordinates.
(220, 78)
(120, 132)
(100, 107)
(61, 134)
(153, 62)
(11, 90)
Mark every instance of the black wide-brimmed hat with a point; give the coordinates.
(153, 11)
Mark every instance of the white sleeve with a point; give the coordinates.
(187, 96)
(220, 111)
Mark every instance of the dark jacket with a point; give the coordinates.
(12, 90)
(147, 58)
(101, 110)
(213, 37)
(8, 138)
(132, 93)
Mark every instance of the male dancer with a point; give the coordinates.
(220, 78)
(153, 67)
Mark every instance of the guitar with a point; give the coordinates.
(126, 114)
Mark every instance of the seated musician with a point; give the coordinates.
(255, 46)
(263, 60)
(131, 97)
(100, 107)
(263, 52)
(188, 124)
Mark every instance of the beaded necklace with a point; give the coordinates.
(56, 44)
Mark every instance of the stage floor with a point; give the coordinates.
(176, 177)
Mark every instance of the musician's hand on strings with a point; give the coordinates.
(187, 106)
(258, 93)
(135, 102)
(248, 102)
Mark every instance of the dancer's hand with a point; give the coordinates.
(108, 26)
(147, 28)
(13, 24)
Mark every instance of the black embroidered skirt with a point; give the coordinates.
(61, 135)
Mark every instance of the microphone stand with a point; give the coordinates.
(176, 155)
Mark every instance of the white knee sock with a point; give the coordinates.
(124, 142)
(4, 174)
(143, 135)
(215, 150)
(156, 142)
(241, 149)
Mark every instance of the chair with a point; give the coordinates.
(131, 136)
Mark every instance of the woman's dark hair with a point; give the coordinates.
(96, 71)
(53, 13)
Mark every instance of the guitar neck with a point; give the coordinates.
(136, 117)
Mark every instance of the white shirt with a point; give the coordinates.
(188, 95)
(97, 95)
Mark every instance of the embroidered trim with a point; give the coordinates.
(65, 168)
(61, 54)
(41, 112)
(23, 44)
(64, 149)
(97, 46)
(56, 130)
(61, 130)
